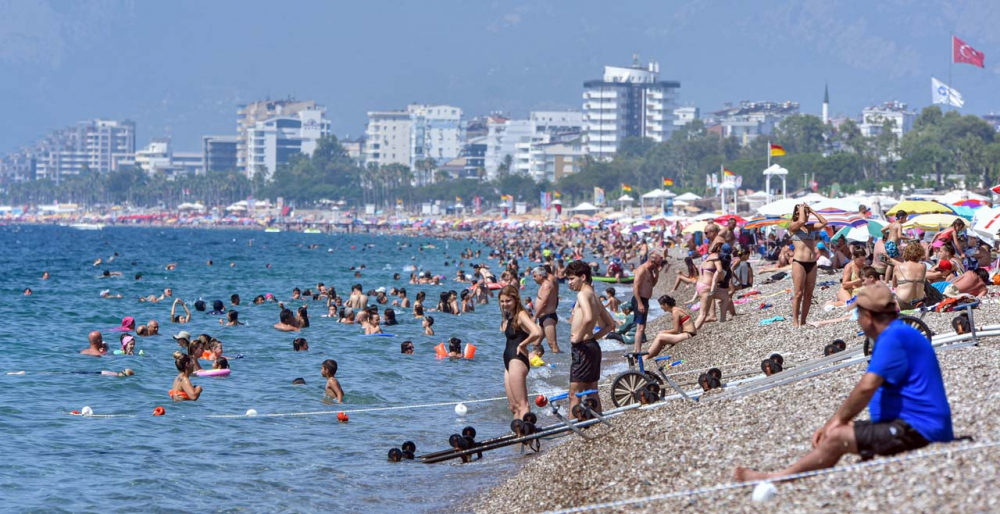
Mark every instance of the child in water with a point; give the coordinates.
(182, 389)
(333, 389)
(455, 348)
(427, 324)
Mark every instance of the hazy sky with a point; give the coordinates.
(178, 68)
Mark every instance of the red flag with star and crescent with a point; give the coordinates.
(961, 52)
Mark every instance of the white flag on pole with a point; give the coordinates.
(942, 93)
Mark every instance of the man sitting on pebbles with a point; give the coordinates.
(902, 388)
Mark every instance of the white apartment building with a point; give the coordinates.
(412, 136)
(520, 139)
(436, 133)
(94, 145)
(873, 118)
(160, 158)
(685, 115)
(502, 139)
(250, 115)
(387, 138)
(750, 120)
(627, 102)
(273, 141)
(557, 158)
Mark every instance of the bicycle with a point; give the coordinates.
(641, 386)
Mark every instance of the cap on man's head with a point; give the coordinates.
(183, 334)
(380, 290)
(821, 246)
(944, 265)
(727, 249)
(876, 298)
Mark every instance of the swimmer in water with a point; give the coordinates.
(176, 318)
(128, 344)
(333, 389)
(97, 346)
(27, 292)
(455, 348)
(45, 275)
(172, 266)
(286, 322)
(182, 389)
(152, 328)
(428, 324)
(406, 348)
(123, 373)
(300, 344)
(232, 319)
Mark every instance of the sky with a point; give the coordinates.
(180, 68)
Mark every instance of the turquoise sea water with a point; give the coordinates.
(187, 461)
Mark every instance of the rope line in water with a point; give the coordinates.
(318, 412)
(806, 474)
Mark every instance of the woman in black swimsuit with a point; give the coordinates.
(520, 332)
(804, 235)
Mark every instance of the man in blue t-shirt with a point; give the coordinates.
(902, 389)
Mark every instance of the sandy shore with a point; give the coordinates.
(683, 446)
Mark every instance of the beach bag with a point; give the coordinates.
(931, 294)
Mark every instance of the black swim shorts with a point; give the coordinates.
(888, 438)
(586, 366)
(640, 317)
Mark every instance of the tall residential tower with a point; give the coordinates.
(627, 102)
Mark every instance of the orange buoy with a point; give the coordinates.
(541, 400)
(75, 412)
(342, 417)
(159, 411)
(441, 351)
(470, 351)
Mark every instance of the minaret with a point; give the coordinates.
(826, 104)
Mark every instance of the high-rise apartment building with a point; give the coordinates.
(271, 142)
(627, 102)
(387, 138)
(873, 119)
(93, 145)
(520, 140)
(219, 153)
(410, 137)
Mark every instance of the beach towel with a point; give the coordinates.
(768, 321)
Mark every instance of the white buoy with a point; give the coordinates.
(251, 413)
(87, 411)
(765, 491)
(461, 409)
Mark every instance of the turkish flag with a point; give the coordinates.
(995, 189)
(963, 53)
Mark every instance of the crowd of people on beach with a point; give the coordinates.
(879, 278)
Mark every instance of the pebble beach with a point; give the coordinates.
(681, 448)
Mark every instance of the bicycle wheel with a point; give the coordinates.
(624, 386)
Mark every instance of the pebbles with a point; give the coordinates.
(684, 446)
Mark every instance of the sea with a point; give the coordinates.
(294, 456)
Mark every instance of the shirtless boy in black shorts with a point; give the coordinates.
(588, 313)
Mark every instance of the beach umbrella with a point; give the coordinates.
(861, 233)
(766, 221)
(931, 221)
(725, 219)
(972, 204)
(987, 224)
(779, 207)
(836, 204)
(698, 226)
(841, 219)
(920, 207)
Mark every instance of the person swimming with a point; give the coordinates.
(182, 389)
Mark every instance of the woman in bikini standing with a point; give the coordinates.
(909, 277)
(520, 331)
(804, 235)
(710, 272)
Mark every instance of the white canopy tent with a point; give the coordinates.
(688, 197)
(776, 171)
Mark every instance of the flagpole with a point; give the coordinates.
(951, 59)
(768, 153)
